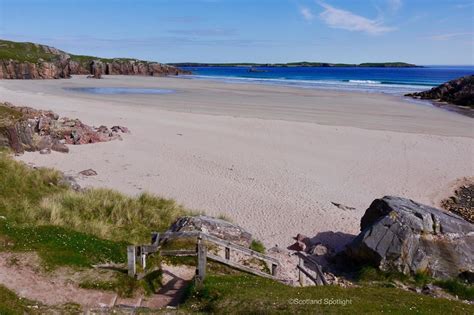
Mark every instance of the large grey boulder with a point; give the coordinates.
(216, 227)
(398, 234)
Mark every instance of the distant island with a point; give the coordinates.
(301, 64)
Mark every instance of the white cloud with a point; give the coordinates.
(464, 5)
(337, 18)
(395, 5)
(306, 13)
(449, 36)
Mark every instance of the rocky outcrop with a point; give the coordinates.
(462, 202)
(12, 69)
(459, 92)
(398, 234)
(97, 68)
(34, 61)
(216, 227)
(27, 129)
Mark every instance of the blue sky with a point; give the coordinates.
(416, 31)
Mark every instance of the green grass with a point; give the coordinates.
(10, 303)
(69, 228)
(246, 294)
(58, 246)
(8, 116)
(36, 197)
(24, 52)
(257, 246)
(456, 287)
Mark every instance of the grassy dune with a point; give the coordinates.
(38, 212)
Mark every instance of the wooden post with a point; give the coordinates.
(274, 270)
(301, 275)
(202, 258)
(227, 253)
(143, 261)
(131, 257)
(155, 238)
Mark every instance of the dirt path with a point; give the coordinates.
(20, 272)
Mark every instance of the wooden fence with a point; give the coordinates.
(139, 254)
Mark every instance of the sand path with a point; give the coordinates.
(20, 272)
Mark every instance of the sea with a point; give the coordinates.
(397, 81)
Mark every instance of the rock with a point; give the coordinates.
(96, 69)
(462, 203)
(342, 207)
(319, 250)
(60, 147)
(398, 234)
(120, 128)
(70, 182)
(25, 128)
(216, 227)
(45, 151)
(458, 91)
(43, 142)
(103, 129)
(88, 172)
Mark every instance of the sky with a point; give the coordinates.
(424, 32)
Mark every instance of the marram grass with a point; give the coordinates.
(35, 196)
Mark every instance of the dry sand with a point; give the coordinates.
(270, 158)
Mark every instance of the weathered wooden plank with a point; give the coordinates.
(240, 267)
(317, 267)
(304, 271)
(155, 238)
(131, 260)
(202, 261)
(221, 242)
(148, 249)
(178, 252)
(242, 249)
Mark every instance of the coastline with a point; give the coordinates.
(259, 153)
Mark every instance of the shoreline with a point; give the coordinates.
(208, 147)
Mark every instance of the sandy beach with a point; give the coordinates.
(272, 159)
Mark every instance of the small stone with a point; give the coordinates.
(60, 147)
(319, 250)
(88, 172)
(45, 151)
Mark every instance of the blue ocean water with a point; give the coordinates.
(383, 80)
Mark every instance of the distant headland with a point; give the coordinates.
(35, 61)
(300, 64)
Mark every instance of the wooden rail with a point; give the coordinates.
(314, 273)
(140, 253)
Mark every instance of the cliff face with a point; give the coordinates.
(459, 92)
(33, 61)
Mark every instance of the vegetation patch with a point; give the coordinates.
(37, 197)
(257, 246)
(58, 246)
(240, 294)
(457, 288)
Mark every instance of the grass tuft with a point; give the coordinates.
(257, 246)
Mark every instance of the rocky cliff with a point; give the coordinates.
(459, 92)
(34, 61)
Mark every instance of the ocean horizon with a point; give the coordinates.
(396, 81)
